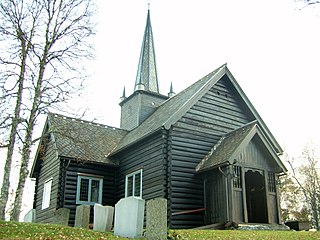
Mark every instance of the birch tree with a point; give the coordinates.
(58, 33)
(13, 31)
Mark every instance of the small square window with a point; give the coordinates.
(134, 184)
(46, 194)
(89, 190)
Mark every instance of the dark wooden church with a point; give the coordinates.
(206, 150)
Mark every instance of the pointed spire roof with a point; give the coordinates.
(171, 93)
(147, 70)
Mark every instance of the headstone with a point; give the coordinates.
(156, 219)
(103, 218)
(82, 216)
(129, 217)
(61, 216)
(30, 216)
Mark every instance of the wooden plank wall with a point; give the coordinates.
(71, 178)
(256, 156)
(216, 200)
(50, 166)
(150, 155)
(218, 112)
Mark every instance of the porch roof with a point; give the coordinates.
(230, 145)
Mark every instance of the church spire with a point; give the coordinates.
(147, 78)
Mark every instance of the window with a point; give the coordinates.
(134, 184)
(237, 183)
(89, 190)
(46, 193)
(271, 182)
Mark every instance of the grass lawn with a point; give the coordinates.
(15, 230)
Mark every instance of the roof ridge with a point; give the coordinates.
(241, 128)
(85, 121)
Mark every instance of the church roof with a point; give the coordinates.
(172, 109)
(147, 69)
(231, 144)
(169, 112)
(79, 139)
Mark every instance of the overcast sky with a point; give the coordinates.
(271, 47)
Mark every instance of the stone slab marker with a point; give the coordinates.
(61, 216)
(103, 218)
(30, 216)
(157, 219)
(129, 217)
(82, 216)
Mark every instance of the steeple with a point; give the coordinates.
(146, 97)
(147, 78)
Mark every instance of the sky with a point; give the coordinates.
(271, 47)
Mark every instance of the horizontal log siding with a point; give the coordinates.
(218, 112)
(49, 168)
(148, 154)
(71, 178)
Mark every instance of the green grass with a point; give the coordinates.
(246, 234)
(15, 230)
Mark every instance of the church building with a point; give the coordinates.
(205, 149)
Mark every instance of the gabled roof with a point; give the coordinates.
(174, 108)
(231, 144)
(79, 139)
(147, 68)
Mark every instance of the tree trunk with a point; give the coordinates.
(15, 213)
(27, 144)
(14, 130)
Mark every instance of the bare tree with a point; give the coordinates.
(307, 177)
(12, 29)
(306, 3)
(58, 32)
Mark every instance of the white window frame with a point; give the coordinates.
(133, 174)
(90, 178)
(46, 195)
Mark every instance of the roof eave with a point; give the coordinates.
(276, 145)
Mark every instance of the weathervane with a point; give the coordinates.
(148, 4)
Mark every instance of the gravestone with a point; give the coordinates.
(156, 219)
(129, 217)
(82, 216)
(103, 218)
(61, 216)
(30, 216)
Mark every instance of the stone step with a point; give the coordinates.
(261, 226)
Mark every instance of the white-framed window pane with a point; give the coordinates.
(89, 190)
(84, 189)
(46, 194)
(95, 187)
(137, 184)
(133, 184)
(129, 186)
